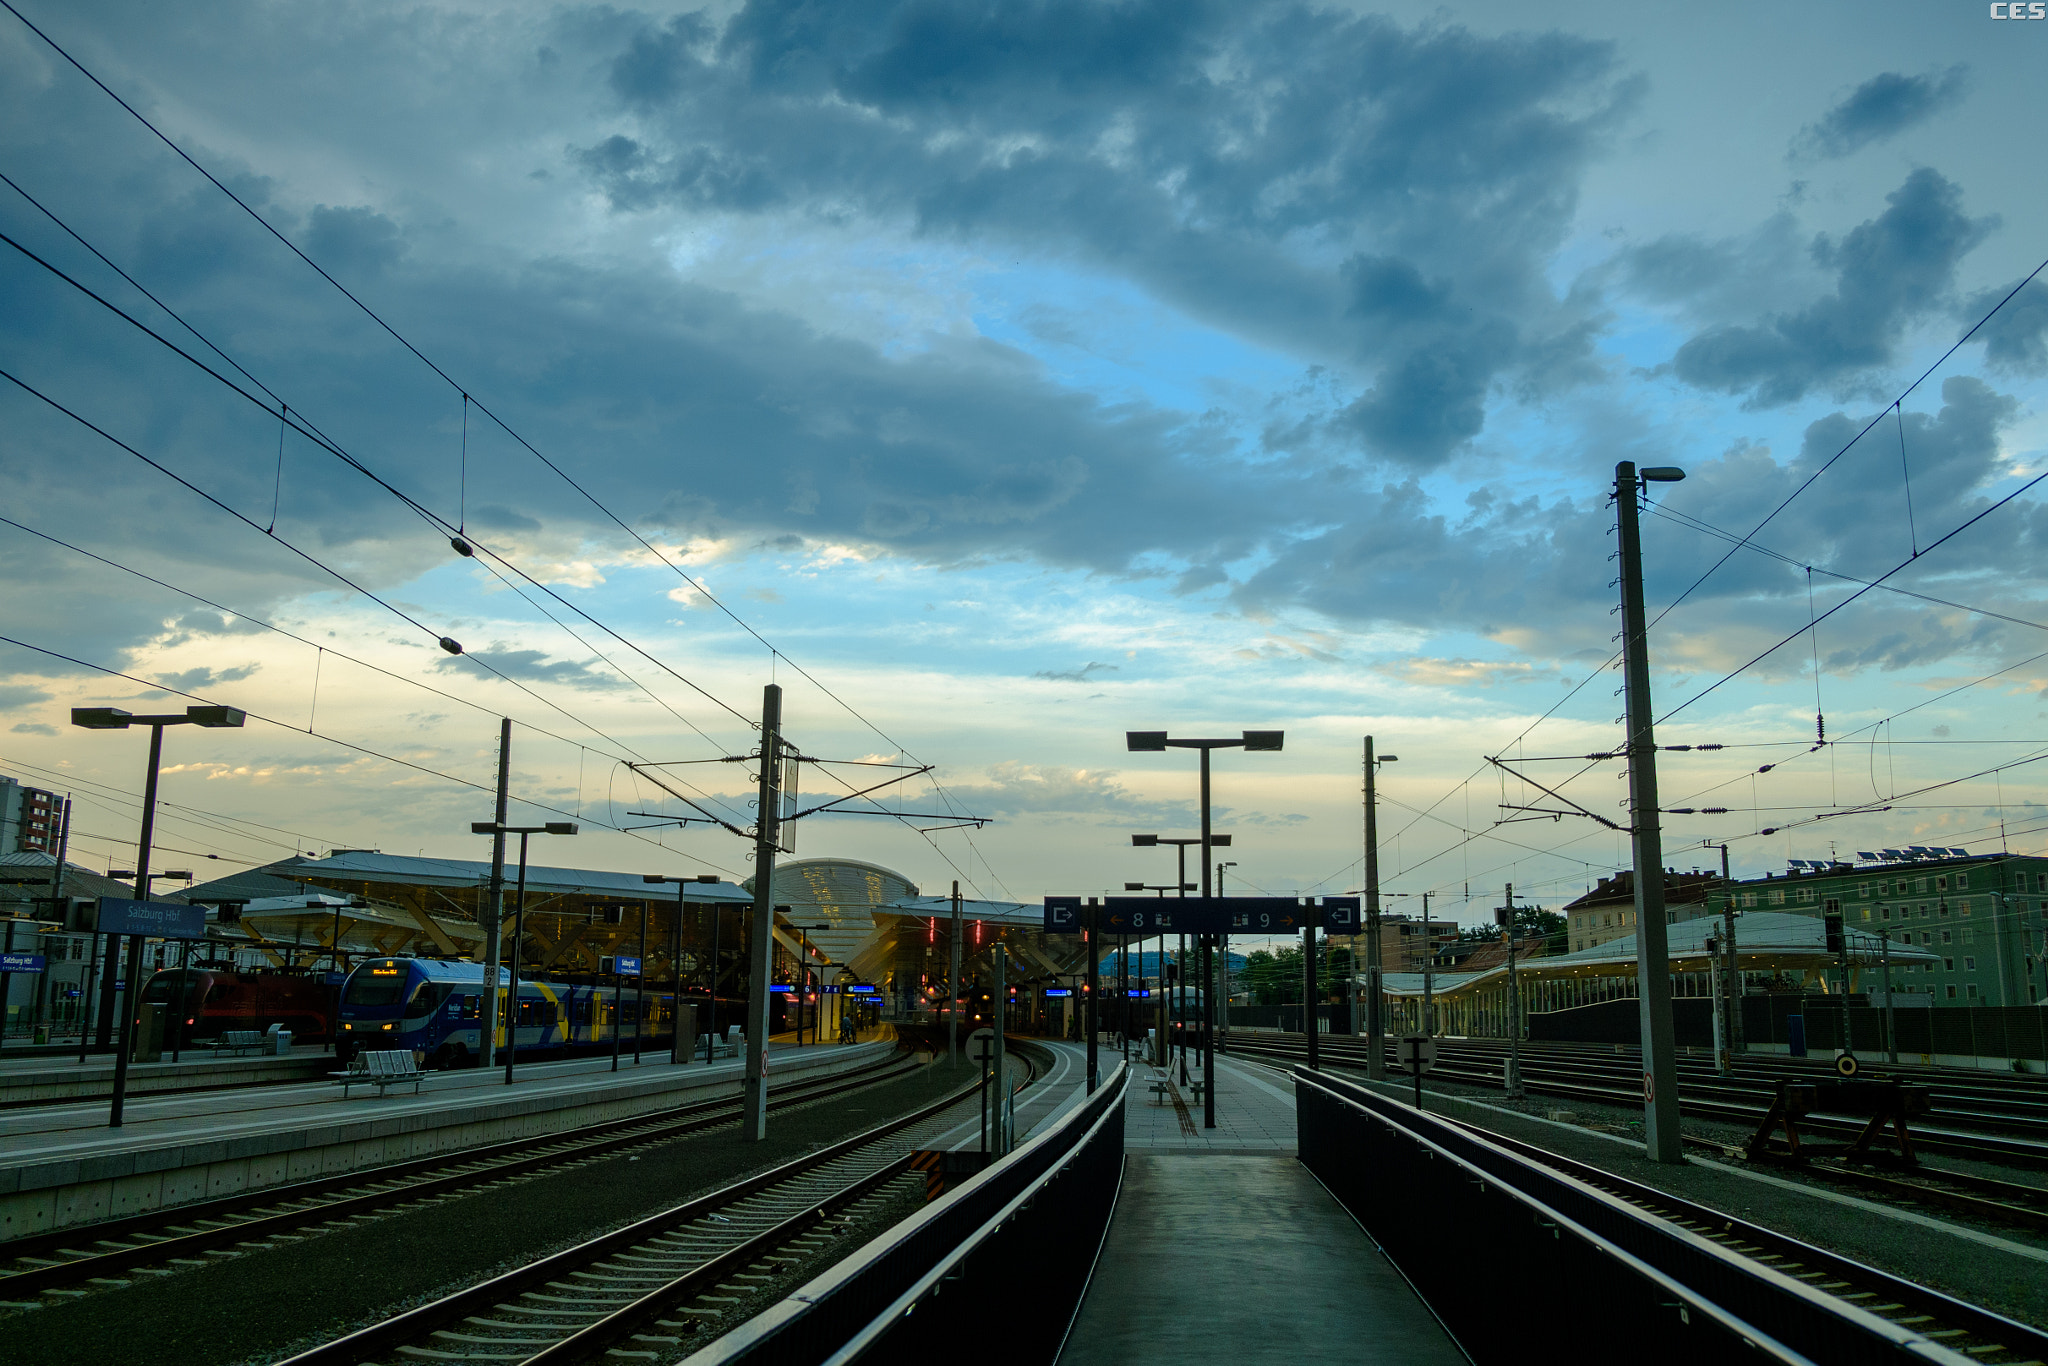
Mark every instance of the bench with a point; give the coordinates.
(1162, 1087)
(239, 1041)
(728, 1047)
(389, 1067)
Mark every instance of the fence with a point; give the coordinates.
(1034, 1219)
(2014, 1032)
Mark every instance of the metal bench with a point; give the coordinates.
(727, 1047)
(390, 1067)
(239, 1041)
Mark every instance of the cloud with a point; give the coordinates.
(33, 728)
(1080, 675)
(13, 695)
(1888, 272)
(1458, 673)
(2016, 337)
(1384, 196)
(197, 680)
(1882, 107)
(1017, 789)
(533, 666)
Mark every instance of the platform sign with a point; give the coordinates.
(1144, 915)
(21, 962)
(861, 989)
(1138, 991)
(783, 987)
(155, 919)
(625, 966)
(1059, 991)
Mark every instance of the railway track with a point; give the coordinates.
(1976, 1333)
(1599, 1081)
(649, 1290)
(108, 1255)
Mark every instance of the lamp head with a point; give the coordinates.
(1219, 841)
(1145, 841)
(483, 827)
(1134, 886)
(1663, 474)
(100, 718)
(1386, 758)
(216, 718)
(704, 877)
(1269, 740)
(559, 828)
(1145, 741)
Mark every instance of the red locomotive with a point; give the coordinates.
(217, 1000)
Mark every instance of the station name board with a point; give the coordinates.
(1144, 915)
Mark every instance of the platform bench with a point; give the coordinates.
(391, 1067)
(239, 1041)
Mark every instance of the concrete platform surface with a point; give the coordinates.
(1235, 1259)
(46, 1079)
(1254, 1112)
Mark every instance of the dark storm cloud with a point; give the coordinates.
(1888, 272)
(2016, 336)
(1218, 154)
(1882, 107)
(1507, 566)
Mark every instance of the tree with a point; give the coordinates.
(1274, 978)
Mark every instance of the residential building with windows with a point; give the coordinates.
(1984, 916)
(1608, 912)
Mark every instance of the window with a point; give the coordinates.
(1942, 909)
(1963, 906)
(1925, 937)
(1947, 937)
(1969, 936)
(1863, 890)
(1973, 991)
(1832, 905)
(1806, 893)
(1923, 910)
(1948, 965)
(1749, 900)
(1866, 912)
(1777, 896)
(2040, 881)
(1951, 993)
(1962, 882)
(375, 987)
(1884, 913)
(1941, 884)
(1969, 964)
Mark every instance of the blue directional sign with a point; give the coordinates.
(626, 967)
(21, 962)
(1058, 991)
(155, 919)
(1144, 915)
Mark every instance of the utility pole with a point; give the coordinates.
(953, 983)
(1092, 1020)
(494, 901)
(1208, 969)
(1891, 1021)
(754, 1110)
(1375, 1035)
(1428, 975)
(1507, 928)
(1002, 1085)
(1308, 993)
(1731, 975)
(1661, 1139)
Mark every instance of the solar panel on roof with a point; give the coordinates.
(1893, 854)
(1960, 853)
(1866, 856)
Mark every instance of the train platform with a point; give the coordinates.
(1237, 1210)
(1254, 1112)
(61, 1165)
(49, 1076)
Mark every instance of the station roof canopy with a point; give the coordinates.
(1765, 941)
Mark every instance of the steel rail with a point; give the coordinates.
(579, 1303)
(363, 1192)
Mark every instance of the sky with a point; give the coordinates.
(997, 379)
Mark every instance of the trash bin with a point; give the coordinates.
(148, 1042)
(683, 1047)
(280, 1040)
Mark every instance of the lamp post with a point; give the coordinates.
(803, 974)
(1223, 955)
(519, 920)
(1157, 741)
(178, 1008)
(1158, 1059)
(113, 718)
(683, 885)
(1180, 847)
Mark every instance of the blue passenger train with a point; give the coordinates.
(435, 1010)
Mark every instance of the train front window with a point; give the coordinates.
(429, 996)
(375, 987)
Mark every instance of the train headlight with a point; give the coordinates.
(386, 1026)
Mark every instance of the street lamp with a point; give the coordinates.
(683, 884)
(1157, 741)
(518, 921)
(113, 718)
(1180, 845)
